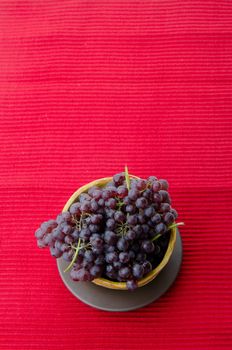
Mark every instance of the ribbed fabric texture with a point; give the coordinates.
(85, 88)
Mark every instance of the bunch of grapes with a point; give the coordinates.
(120, 231)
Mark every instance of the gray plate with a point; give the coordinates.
(114, 300)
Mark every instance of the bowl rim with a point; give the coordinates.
(152, 274)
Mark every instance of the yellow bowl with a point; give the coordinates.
(151, 275)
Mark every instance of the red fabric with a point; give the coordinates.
(87, 87)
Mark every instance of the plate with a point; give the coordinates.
(122, 300)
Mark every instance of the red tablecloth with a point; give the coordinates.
(86, 87)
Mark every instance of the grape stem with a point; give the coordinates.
(169, 228)
(127, 178)
(74, 256)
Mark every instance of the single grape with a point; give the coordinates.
(130, 235)
(122, 244)
(111, 203)
(122, 191)
(96, 219)
(157, 198)
(133, 194)
(89, 256)
(164, 184)
(119, 216)
(96, 194)
(39, 233)
(110, 237)
(75, 209)
(149, 212)
(147, 194)
(94, 206)
(85, 207)
(93, 228)
(164, 195)
(164, 207)
(124, 272)
(96, 241)
(147, 246)
(147, 267)
(100, 260)
(101, 202)
(156, 186)
(138, 271)
(141, 203)
(130, 208)
(141, 185)
(156, 219)
(160, 228)
(68, 239)
(142, 218)
(174, 212)
(75, 234)
(131, 285)
(124, 257)
(111, 257)
(169, 218)
(141, 257)
(96, 271)
(85, 234)
(106, 194)
(119, 179)
(132, 219)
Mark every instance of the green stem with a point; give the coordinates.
(127, 178)
(74, 257)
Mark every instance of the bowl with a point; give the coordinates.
(151, 275)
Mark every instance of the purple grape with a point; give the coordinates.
(156, 186)
(132, 219)
(111, 257)
(147, 246)
(156, 219)
(141, 203)
(160, 228)
(133, 194)
(111, 203)
(149, 212)
(96, 271)
(124, 257)
(169, 218)
(119, 216)
(122, 244)
(119, 179)
(122, 191)
(141, 185)
(164, 207)
(138, 271)
(164, 184)
(110, 237)
(131, 285)
(110, 224)
(147, 267)
(124, 272)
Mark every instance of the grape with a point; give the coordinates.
(119, 179)
(157, 198)
(130, 209)
(138, 271)
(147, 246)
(119, 216)
(110, 224)
(117, 265)
(156, 219)
(165, 196)
(130, 235)
(174, 212)
(141, 203)
(152, 179)
(147, 194)
(160, 228)
(132, 219)
(93, 228)
(94, 205)
(124, 257)
(111, 203)
(96, 271)
(141, 185)
(133, 194)
(97, 194)
(111, 257)
(75, 209)
(106, 194)
(164, 184)
(147, 266)
(80, 275)
(101, 202)
(131, 285)
(85, 207)
(141, 219)
(110, 237)
(122, 191)
(100, 260)
(96, 241)
(68, 239)
(67, 255)
(138, 230)
(75, 234)
(164, 207)
(85, 234)
(39, 233)
(122, 244)
(89, 256)
(124, 272)
(141, 257)
(126, 200)
(149, 212)
(169, 218)
(156, 186)
(96, 219)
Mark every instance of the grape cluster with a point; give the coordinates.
(120, 231)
